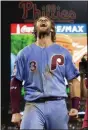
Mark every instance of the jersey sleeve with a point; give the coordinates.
(18, 70)
(70, 69)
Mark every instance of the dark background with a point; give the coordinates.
(11, 13)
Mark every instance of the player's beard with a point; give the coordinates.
(43, 34)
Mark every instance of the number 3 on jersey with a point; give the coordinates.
(33, 65)
(56, 60)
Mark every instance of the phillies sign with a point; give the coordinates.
(53, 11)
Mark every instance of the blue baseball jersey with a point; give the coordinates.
(44, 70)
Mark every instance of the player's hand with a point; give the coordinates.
(73, 113)
(16, 118)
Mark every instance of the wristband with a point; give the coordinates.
(76, 102)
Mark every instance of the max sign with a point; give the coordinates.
(60, 28)
(71, 28)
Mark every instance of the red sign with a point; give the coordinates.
(22, 28)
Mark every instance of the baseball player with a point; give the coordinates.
(85, 121)
(43, 66)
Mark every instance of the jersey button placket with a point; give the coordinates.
(43, 69)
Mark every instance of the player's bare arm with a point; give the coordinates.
(74, 88)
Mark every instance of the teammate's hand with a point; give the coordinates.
(16, 118)
(73, 113)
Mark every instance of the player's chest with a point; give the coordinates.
(44, 60)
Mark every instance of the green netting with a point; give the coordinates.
(23, 91)
(67, 90)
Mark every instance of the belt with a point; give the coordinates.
(44, 99)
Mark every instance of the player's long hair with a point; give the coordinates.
(53, 33)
